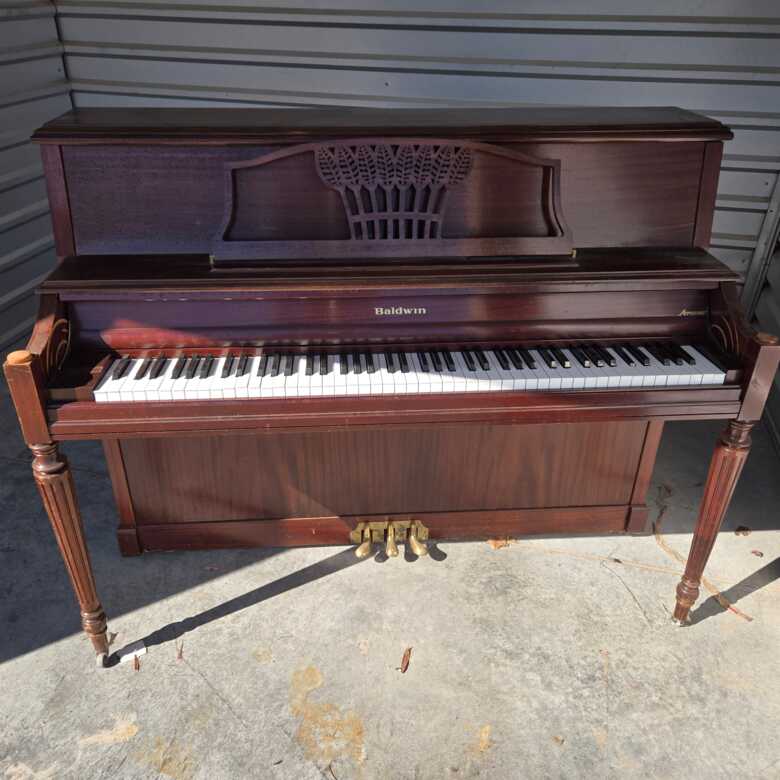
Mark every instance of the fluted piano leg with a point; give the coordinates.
(55, 483)
(726, 465)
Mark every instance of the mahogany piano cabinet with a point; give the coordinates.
(295, 327)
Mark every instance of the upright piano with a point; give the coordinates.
(382, 327)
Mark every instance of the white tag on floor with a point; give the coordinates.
(128, 652)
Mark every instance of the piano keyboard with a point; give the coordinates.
(356, 373)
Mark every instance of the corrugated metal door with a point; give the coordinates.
(719, 57)
(33, 89)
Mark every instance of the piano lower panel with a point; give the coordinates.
(473, 481)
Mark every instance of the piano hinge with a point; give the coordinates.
(410, 532)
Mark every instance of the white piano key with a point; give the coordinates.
(614, 374)
(248, 384)
(505, 376)
(540, 371)
(357, 367)
(423, 377)
(710, 373)
(411, 384)
(129, 388)
(293, 382)
(574, 378)
(329, 379)
(339, 379)
(314, 380)
(364, 377)
(154, 388)
(375, 378)
(108, 389)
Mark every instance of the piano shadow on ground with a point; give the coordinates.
(755, 581)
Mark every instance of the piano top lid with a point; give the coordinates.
(250, 125)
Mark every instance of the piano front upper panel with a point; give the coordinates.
(185, 319)
(169, 198)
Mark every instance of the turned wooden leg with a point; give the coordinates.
(55, 484)
(727, 462)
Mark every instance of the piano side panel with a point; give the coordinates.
(168, 198)
(586, 474)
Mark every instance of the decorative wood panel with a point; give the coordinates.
(474, 467)
(395, 194)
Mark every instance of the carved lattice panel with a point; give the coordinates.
(394, 192)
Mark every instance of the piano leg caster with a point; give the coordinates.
(726, 465)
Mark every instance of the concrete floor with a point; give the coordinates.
(545, 658)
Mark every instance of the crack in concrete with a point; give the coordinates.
(663, 507)
(630, 592)
(216, 692)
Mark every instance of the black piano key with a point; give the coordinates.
(514, 356)
(623, 355)
(357, 365)
(547, 357)
(120, 368)
(227, 366)
(206, 367)
(607, 358)
(423, 361)
(144, 369)
(527, 357)
(343, 363)
(390, 360)
(639, 355)
(682, 354)
(178, 369)
(501, 357)
(484, 363)
(309, 364)
(582, 358)
(448, 360)
(403, 362)
(593, 355)
(276, 363)
(158, 367)
(667, 350)
(560, 356)
(288, 363)
(436, 361)
(263, 364)
(658, 354)
(243, 365)
(323, 363)
(713, 356)
(471, 364)
(192, 366)
(370, 363)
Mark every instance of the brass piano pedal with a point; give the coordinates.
(391, 548)
(417, 546)
(363, 550)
